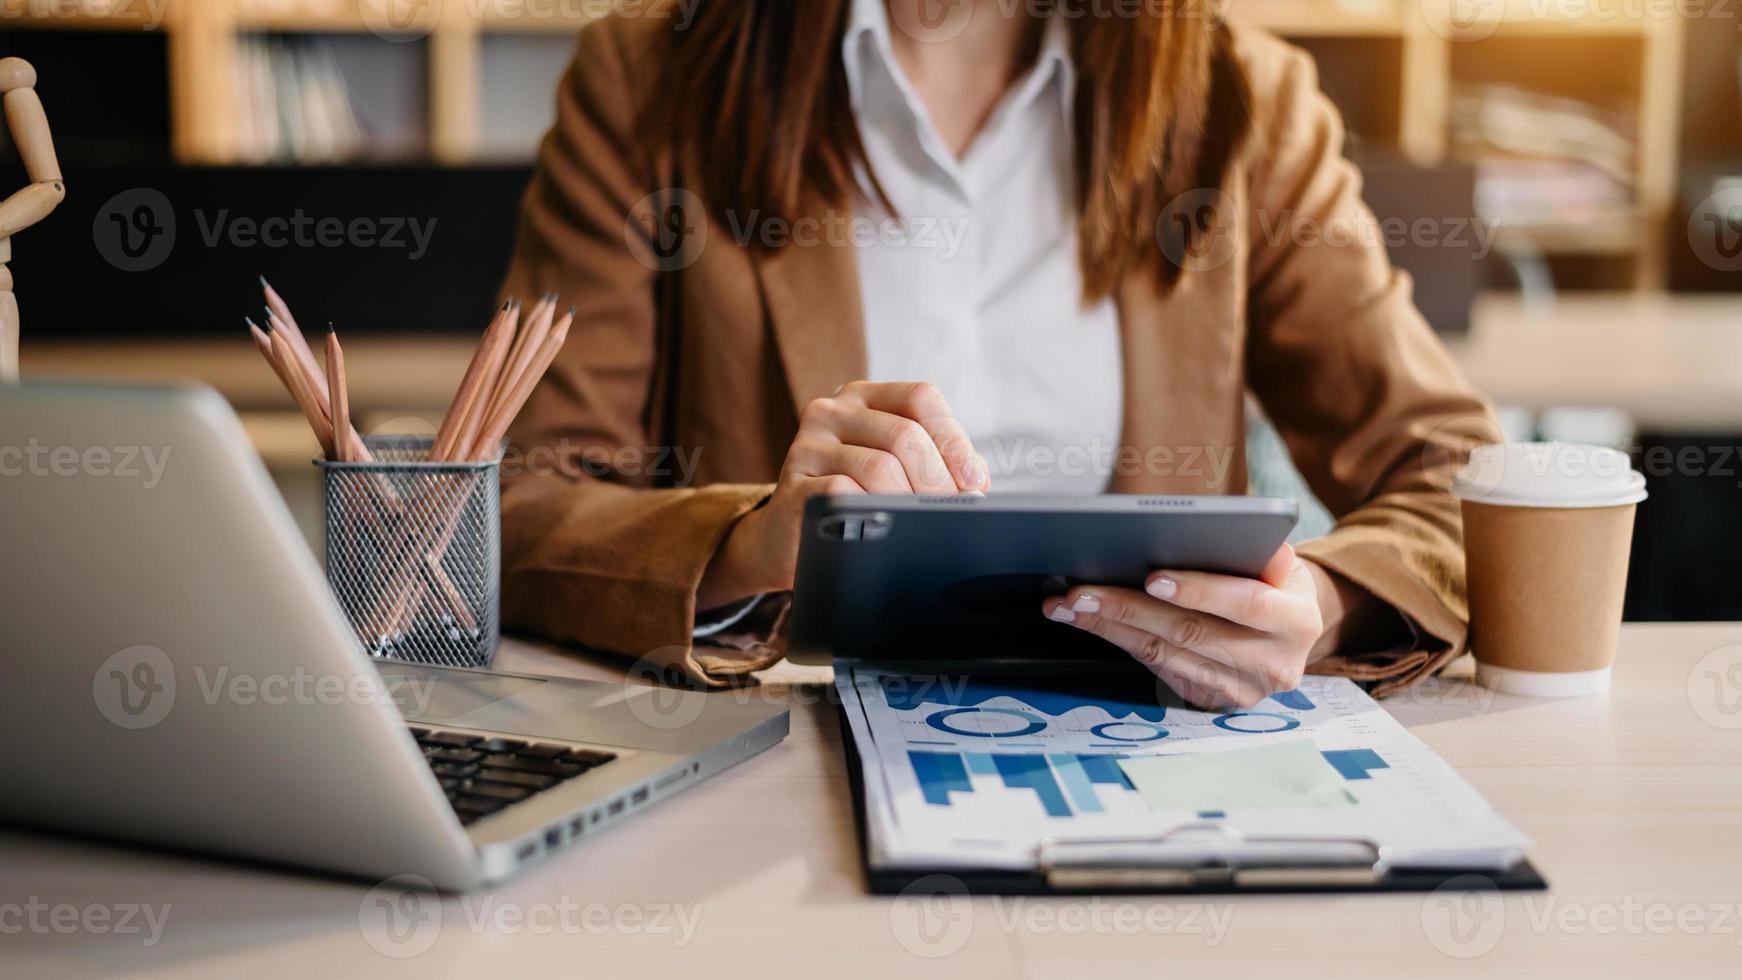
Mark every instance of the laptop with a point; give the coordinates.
(176, 672)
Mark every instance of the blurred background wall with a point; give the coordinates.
(1562, 177)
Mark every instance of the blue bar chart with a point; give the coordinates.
(1064, 782)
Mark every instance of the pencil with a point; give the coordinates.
(525, 348)
(264, 344)
(497, 426)
(476, 413)
(479, 377)
(340, 396)
(301, 391)
(276, 306)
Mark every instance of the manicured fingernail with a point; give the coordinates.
(1163, 588)
(1062, 614)
(974, 472)
(1087, 604)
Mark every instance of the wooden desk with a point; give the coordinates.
(1635, 802)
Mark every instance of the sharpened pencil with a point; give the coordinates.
(340, 397)
(479, 379)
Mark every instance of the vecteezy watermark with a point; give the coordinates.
(943, 235)
(137, 230)
(37, 459)
(1715, 229)
(1467, 917)
(937, 21)
(137, 688)
(1359, 229)
(403, 917)
(1715, 688)
(134, 231)
(657, 693)
(1196, 230)
(405, 21)
(1476, 20)
(147, 15)
(667, 465)
(935, 917)
(1464, 20)
(669, 230)
(134, 688)
(302, 230)
(1011, 457)
(39, 917)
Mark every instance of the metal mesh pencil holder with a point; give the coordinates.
(414, 553)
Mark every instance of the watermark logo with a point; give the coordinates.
(1715, 230)
(39, 917)
(134, 231)
(1464, 20)
(932, 21)
(1196, 230)
(400, 21)
(1465, 917)
(1715, 688)
(667, 231)
(146, 15)
(401, 917)
(651, 693)
(933, 917)
(41, 460)
(135, 688)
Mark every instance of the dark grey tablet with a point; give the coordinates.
(932, 578)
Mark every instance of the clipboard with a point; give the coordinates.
(1199, 858)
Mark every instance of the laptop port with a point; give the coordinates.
(527, 850)
(639, 797)
(616, 807)
(577, 826)
(553, 838)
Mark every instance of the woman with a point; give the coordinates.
(1112, 229)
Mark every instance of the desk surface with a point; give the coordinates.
(1634, 800)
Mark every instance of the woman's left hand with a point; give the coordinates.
(1218, 640)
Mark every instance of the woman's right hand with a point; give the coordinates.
(886, 438)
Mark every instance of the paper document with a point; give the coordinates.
(1292, 773)
(976, 771)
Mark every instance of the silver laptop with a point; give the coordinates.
(176, 672)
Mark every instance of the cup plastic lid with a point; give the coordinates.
(1549, 474)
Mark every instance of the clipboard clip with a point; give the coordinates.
(1204, 855)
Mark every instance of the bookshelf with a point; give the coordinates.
(1392, 65)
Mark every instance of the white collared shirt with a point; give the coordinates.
(982, 295)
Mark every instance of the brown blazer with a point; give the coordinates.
(604, 548)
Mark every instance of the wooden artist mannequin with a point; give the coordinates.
(29, 126)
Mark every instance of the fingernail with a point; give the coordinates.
(974, 472)
(1087, 604)
(1163, 588)
(1062, 614)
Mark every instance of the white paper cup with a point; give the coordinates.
(1548, 531)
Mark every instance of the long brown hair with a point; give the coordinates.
(755, 92)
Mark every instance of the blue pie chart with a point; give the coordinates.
(1150, 733)
(940, 721)
(1263, 722)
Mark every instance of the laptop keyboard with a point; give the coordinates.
(484, 775)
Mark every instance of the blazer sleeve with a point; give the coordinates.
(1374, 413)
(595, 552)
